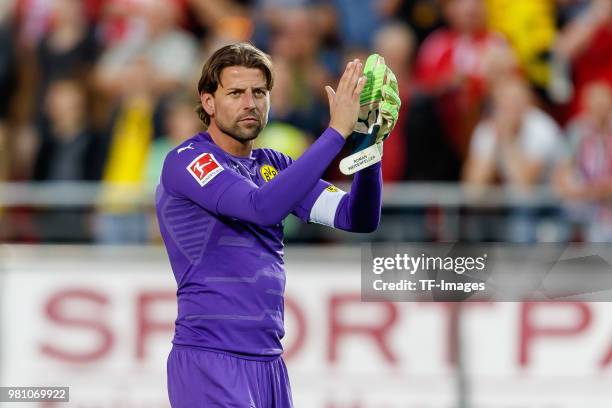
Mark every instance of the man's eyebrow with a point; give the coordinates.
(256, 88)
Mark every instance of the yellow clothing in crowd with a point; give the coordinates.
(529, 26)
(124, 172)
(130, 143)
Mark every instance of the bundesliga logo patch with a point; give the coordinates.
(204, 168)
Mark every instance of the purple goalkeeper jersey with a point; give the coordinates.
(230, 273)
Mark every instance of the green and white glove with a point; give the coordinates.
(380, 104)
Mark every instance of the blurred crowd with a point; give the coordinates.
(512, 93)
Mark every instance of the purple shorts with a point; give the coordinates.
(211, 379)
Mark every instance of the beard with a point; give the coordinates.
(242, 131)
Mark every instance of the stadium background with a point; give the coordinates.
(93, 93)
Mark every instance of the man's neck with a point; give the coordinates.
(228, 143)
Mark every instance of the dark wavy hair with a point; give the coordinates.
(240, 54)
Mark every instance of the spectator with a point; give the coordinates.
(68, 145)
(281, 133)
(116, 20)
(68, 50)
(169, 51)
(33, 19)
(585, 44)
(417, 139)
(584, 175)
(529, 27)
(121, 20)
(67, 153)
(516, 145)
(395, 43)
(270, 14)
(358, 24)
(180, 123)
(455, 63)
(227, 20)
(130, 136)
(295, 49)
(423, 16)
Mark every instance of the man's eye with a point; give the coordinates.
(260, 92)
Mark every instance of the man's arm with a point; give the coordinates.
(359, 210)
(224, 192)
(272, 202)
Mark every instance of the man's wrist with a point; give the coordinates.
(337, 133)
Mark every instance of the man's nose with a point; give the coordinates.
(248, 99)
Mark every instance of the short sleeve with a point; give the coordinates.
(483, 142)
(543, 137)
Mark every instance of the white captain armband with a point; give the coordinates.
(324, 209)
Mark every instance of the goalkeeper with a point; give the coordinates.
(220, 205)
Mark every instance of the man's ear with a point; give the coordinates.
(208, 103)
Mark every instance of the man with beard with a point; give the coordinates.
(220, 205)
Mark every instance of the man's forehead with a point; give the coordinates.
(242, 77)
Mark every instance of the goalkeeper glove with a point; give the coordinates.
(380, 103)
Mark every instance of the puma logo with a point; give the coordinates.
(369, 119)
(185, 148)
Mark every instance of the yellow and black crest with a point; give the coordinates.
(268, 172)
